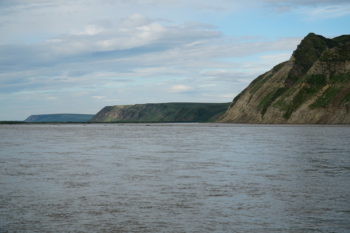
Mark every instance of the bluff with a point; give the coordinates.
(312, 87)
(44, 118)
(162, 112)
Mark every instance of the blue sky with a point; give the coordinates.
(78, 56)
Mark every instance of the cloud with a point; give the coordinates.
(90, 30)
(314, 9)
(52, 98)
(98, 97)
(298, 3)
(226, 75)
(95, 43)
(199, 4)
(275, 58)
(143, 48)
(329, 12)
(180, 88)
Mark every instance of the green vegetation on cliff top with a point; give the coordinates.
(162, 112)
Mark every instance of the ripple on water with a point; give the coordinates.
(174, 178)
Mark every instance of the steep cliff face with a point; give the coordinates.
(312, 87)
(163, 112)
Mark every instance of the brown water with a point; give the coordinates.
(174, 178)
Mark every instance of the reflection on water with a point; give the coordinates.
(174, 178)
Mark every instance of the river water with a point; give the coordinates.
(174, 178)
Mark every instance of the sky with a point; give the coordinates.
(64, 56)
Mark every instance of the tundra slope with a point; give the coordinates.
(312, 87)
(162, 112)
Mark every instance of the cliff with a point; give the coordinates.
(162, 112)
(312, 87)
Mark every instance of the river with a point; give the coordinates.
(174, 178)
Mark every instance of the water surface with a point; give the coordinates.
(174, 178)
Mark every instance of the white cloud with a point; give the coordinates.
(312, 9)
(98, 97)
(90, 30)
(134, 20)
(117, 37)
(184, 51)
(180, 88)
(306, 2)
(328, 12)
(226, 96)
(224, 74)
(274, 59)
(51, 98)
(122, 36)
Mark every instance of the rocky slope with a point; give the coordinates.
(162, 112)
(43, 118)
(312, 87)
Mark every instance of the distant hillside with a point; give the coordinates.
(162, 112)
(313, 86)
(59, 118)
